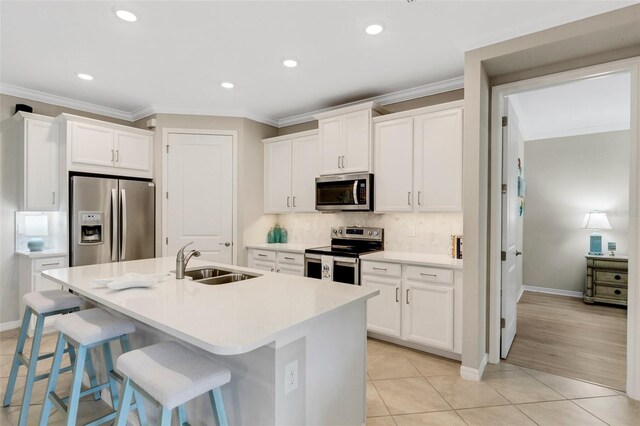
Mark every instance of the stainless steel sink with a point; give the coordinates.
(226, 279)
(198, 274)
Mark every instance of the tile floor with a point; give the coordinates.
(407, 388)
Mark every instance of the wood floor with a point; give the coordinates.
(564, 336)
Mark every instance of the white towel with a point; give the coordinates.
(130, 280)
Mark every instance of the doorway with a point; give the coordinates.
(538, 247)
(198, 203)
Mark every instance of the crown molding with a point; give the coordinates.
(168, 109)
(389, 98)
(34, 95)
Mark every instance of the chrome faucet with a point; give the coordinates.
(182, 260)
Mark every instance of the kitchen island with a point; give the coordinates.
(255, 328)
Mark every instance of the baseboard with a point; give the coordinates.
(555, 291)
(474, 374)
(416, 346)
(520, 293)
(9, 325)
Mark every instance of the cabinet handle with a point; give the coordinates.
(294, 201)
(112, 153)
(339, 162)
(617, 277)
(429, 275)
(51, 264)
(278, 270)
(343, 161)
(419, 198)
(53, 198)
(288, 201)
(271, 270)
(117, 155)
(409, 198)
(379, 269)
(407, 297)
(616, 291)
(262, 255)
(289, 258)
(397, 294)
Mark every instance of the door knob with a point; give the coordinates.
(518, 253)
(227, 244)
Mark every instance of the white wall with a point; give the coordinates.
(567, 177)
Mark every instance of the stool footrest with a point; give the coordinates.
(45, 375)
(26, 361)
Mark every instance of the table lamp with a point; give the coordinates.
(36, 227)
(595, 220)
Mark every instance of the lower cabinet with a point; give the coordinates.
(421, 305)
(277, 261)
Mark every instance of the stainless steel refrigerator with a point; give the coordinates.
(111, 220)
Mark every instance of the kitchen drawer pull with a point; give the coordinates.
(407, 301)
(419, 198)
(294, 201)
(429, 275)
(397, 294)
(617, 277)
(112, 156)
(51, 264)
(617, 291)
(379, 269)
(409, 198)
(288, 201)
(262, 255)
(290, 258)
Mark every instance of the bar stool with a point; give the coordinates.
(84, 330)
(41, 304)
(172, 375)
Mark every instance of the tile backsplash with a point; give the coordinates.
(431, 231)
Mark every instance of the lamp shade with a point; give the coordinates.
(36, 226)
(596, 220)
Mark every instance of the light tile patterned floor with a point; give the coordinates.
(408, 387)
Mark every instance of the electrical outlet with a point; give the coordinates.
(412, 231)
(307, 227)
(290, 377)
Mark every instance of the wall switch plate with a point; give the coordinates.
(290, 377)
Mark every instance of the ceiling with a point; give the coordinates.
(594, 105)
(175, 56)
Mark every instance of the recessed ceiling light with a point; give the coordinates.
(227, 85)
(84, 76)
(125, 15)
(290, 63)
(374, 29)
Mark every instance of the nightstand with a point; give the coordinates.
(606, 280)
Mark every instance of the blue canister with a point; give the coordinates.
(277, 233)
(283, 235)
(271, 236)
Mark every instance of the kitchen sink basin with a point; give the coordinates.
(226, 279)
(198, 274)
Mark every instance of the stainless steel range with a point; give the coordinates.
(340, 261)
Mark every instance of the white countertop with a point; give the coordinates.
(40, 254)
(223, 319)
(288, 247)
(424, 259)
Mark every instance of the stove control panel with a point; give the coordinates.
(357, 233)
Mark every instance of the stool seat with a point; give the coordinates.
(44, 302)
(171, 373)
(93, 326)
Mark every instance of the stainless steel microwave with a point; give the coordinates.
(352, 192)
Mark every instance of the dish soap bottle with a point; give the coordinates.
(271, 236)
(277, 233)
(283, 235)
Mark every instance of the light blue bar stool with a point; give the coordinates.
(172, 375)
(84, 330)
(41, 304)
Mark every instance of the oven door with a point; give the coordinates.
(344, 192)
(346, 270)
(313, 266)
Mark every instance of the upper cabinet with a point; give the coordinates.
(38, 141)
(418, 160)
(99, 147)
(290, 169)
(345, 139)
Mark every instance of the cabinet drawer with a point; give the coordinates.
(434, 275)
(50, 263)
(290, 269)
(382, 269)
(264, 265)
(291, 258)
(611, 277)
(611, 292)
(264, 255)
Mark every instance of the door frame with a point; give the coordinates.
(495, 203)
(234, 185)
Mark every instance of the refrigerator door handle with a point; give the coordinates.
(123, 240)
(114, 221)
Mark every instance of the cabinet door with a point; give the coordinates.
(285, 268)
(305, 170)
(393, 153)
(91, 145)
(277, 177)
(384, 310)
(263, 265)
(330, 145)
(41, 165)
(428, 314)
(438, 160)
(356, 137)
(133, 151)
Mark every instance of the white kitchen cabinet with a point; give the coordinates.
(38, 142)
(290, 169)
(419, 305)
(94, 146)
(345, 140)
(418, 160)
(283, 262)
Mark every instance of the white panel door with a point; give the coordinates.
(330, 130)
(277, 177)
(91, 145)
(384, 311)
(510, 213)
(393, 153)
(438, 156)
(305, 166)
(428, 314)
(134, 151)
(41, 174)
(356, 139)
(200, 194)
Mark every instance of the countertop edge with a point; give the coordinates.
(376, 257)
